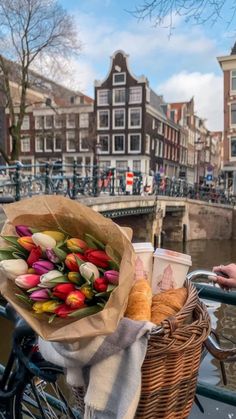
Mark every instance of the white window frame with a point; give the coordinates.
(45, 120)
(28, 143)
(119, 83)
(230, 114)
(98, 119)
(36, 148)
(80, 140)
(37, 117)
(114, 103)
(113, 118)
(129, 142)
(68, 139)
(231, 79)
(68, 123)
(56, 125)
(141, 94)
(113, 144)
(130, 111)
(99, 99)
(147, 144)
(232, 158)
(98, 140)
(26, 123)
(54, 142)
(48, 150)
(83, 124)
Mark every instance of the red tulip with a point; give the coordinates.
(63, 310)
(26, 242)
(62, 290)
(98, 257)
(100, 284)
(71, 261)
(34, 256)
(75, 299)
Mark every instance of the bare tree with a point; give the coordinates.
(163, 12)
(29, 30)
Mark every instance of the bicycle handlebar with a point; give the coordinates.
(201, 273)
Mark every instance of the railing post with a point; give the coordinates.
(112, 193)
(47, 180)
(74, 179)
(17, 182)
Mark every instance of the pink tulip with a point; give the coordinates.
(27, 281)
(112, 277)
(40, 295)
(23, 230)
(42, 266)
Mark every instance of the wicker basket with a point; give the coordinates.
(170, 368)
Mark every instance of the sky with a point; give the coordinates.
(178, 67)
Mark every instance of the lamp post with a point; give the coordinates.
(97, 150)
(198, 149)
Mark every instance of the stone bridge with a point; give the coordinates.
(178, 219)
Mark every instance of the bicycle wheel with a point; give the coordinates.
(40, 399)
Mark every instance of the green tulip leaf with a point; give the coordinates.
(94, 243)
(6, 254)
(113, 265)
(58, 280)
(111, 287)
(15, 244)
(34, 289)
(25, 299)
(83, 312)
(18, 255)
(60, 253)
(103, 294)
(78, 261)
(51, 318)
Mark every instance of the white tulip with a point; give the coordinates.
(45, 279)
(44, 241)
(88, 270)
(12, 268)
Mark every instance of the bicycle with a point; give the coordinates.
(25, 382)
(30, 386)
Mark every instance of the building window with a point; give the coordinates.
(137, 165)
(118, 143)
(134, 143)
(39, 122)
(48, 121)
(49, 142)
(58, 141)
(135, 94)
(25, 144)
(160, 127)
(39, 144)
(58, 121)
(134, 117)
(84, 120)
(119, 78)
(233, 114)
(233, 147)
(28, 163)
(118, 96)
(233, 80)
(26, 123)
(70, 141)
(147, 144)
(118, 118)
(103, 97)
(70, 120)
(121, 165)
(84, 140)
(104, 143)
(103, 119)
(104, 164)
(172, 115)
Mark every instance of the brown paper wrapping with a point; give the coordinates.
(53, 212)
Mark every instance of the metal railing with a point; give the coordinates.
(75, 180)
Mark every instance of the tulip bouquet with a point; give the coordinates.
(57, 274)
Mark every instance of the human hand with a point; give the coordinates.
(230, 271)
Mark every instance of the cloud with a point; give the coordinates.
(207, 90)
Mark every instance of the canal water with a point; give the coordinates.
(205, 254)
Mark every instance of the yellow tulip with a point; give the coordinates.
(56, 235)
(45, 307)
(38, 307)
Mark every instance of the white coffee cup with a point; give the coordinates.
(144, 260)
(169, 270)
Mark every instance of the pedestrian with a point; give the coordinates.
(229, 280)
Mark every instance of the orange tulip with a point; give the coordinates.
(26, 242)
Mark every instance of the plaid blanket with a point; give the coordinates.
(108, 367)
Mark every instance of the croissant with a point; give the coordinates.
(167, 304)
(139, 302)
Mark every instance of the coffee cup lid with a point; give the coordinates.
(142, 247)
